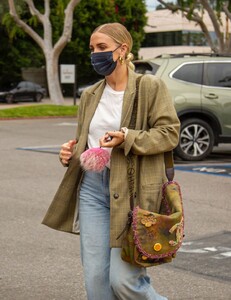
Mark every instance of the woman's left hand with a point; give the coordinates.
(112, 139)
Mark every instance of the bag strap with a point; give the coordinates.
(168, 156)
(132, 123)
(169, 165)
(130, 160)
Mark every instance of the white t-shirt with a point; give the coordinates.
(107, 116)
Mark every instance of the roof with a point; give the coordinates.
(164, 20)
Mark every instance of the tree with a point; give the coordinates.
(17, 49)
(195, 10)
(87, 17)
(91, 14)
(50, 47)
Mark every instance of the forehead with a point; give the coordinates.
(99, 38)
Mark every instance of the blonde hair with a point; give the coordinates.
(120, 35)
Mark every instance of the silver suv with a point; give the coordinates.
(200, 85)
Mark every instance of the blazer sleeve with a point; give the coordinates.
(162, 129)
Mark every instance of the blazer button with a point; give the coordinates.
(116, 196)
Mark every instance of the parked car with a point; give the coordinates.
(24, 91)
(2, 96)
(200, 85)
(81, 88)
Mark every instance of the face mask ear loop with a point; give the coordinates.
(121, 60)
(116, 48)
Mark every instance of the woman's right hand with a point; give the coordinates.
(66, 152)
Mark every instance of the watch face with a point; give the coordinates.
(124, 129)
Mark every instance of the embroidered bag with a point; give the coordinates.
(153, 238)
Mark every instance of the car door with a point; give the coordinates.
(184, 83)
(216, 93)
(20, 91)
(30, 90)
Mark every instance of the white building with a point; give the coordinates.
(168, 33)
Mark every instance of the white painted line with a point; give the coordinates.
(198, 251)
(66, 124)
(41, 147)
(187, 243)
(213, 249)
(226, 254)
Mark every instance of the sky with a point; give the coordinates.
(151, 4)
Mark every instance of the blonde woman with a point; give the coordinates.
(97, 203)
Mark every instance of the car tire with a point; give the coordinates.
(10, 99)
(38, 97)
(196, 140)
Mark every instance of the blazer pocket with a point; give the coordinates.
(150, 196)
(152, 186)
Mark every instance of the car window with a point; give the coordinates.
(22, 85)
(30, 85)
(144, 68)
(217, 74)
(189, 72)
(155, 67)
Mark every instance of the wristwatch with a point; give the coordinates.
(125, 131)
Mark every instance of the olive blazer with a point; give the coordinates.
(156, 132)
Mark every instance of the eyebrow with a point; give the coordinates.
(99, 44)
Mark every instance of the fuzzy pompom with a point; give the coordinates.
(94, 159)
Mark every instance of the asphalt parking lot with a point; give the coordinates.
(39, 263)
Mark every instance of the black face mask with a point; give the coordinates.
(103, 62)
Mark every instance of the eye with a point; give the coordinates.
(102, 47)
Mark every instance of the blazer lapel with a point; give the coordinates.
(92, 103)
(128, 100)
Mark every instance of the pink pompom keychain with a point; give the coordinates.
(94, 159)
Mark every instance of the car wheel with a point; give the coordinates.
(196, 140)
(9, 98)
(38, 97)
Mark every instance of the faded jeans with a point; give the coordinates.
(107, 276)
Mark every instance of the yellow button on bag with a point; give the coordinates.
(148, 224)
(157, 247)
(144, 257)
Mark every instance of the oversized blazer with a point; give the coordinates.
(156, 132)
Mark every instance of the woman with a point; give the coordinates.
(97, 203)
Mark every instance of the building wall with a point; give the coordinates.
(36, 75)
(161, 21)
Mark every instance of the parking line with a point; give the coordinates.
(217, 170)
(53, 149)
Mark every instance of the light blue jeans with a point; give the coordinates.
(107, 276)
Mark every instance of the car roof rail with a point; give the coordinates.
(165, 55)
(193, 54)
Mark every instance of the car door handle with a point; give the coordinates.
(211, 96)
